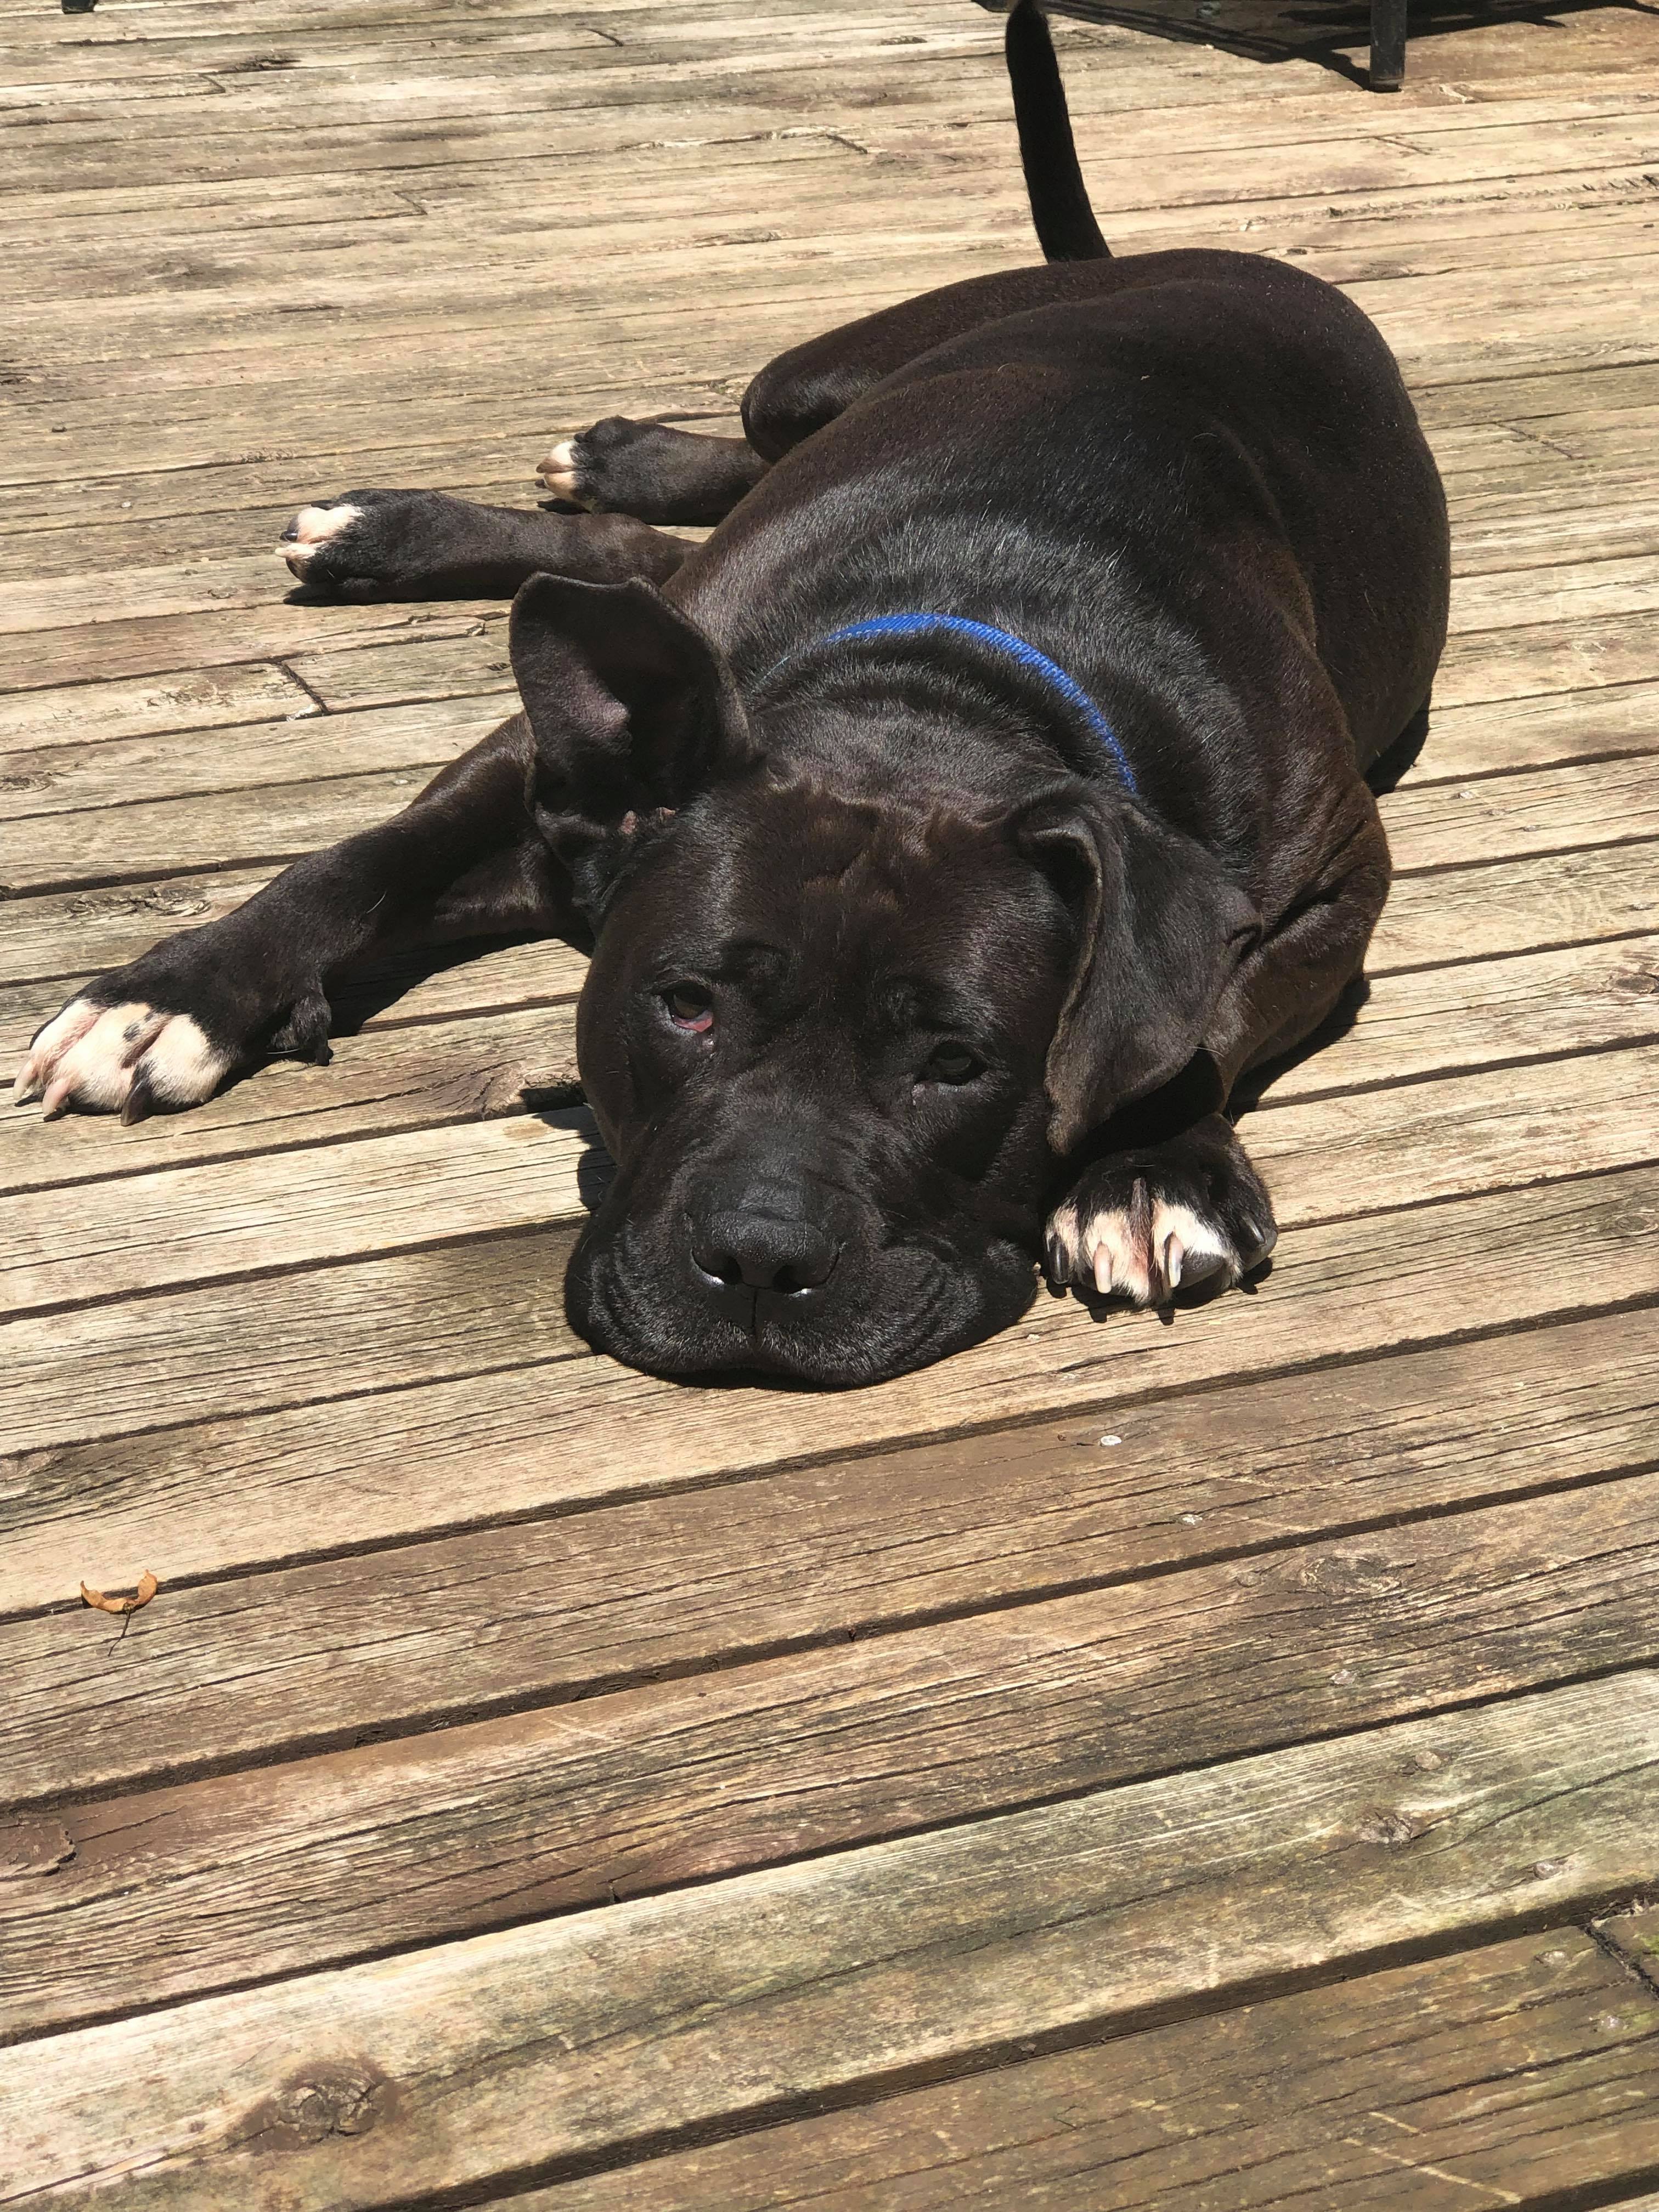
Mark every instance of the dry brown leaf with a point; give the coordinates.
(147, 1589)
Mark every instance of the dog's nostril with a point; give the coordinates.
(721, 1265)
(764, 1251)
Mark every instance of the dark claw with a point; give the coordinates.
(139, 1102)
(290, 534)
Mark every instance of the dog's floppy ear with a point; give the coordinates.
(632, 708)
(1160, 928)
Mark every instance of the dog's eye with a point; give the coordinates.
(689, 1007)
(952, 1063)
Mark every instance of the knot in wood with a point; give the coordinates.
(1352, 1574)
(33, 1847)
(347, 2099)
(1393, 1828)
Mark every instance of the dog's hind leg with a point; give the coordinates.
(652, 471)
(426, 545)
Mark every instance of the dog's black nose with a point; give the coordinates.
(764, 1251)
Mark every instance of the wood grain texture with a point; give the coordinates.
(1635, 1937)
(599, 2032)
(236, 1486)
(467, 1308)
(77, 777)
(241, 1209)
(1559, 898)
(568, 1605)
(387, 1078)
(263, 256)
(299, 1209)
(347, 1855)
(875, 1730)
(1502, 2077)
(341, 773)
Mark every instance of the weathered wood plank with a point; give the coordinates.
(472, 1068)
(1526, 507)
(234, 1215)
(201, 1885)
(1558, 900)
(243, 1490)
(1487, 319)
(493, 1313)
(1636, 1936)
(1432, 1022)
(1569, 591)
(1545, 656)
(1404, 1145)
(158, 646)
(588, 1601)
(195, 1221)
(1509, 2075)
(601, 2033)
(105, 845)
(82, 713)
(231, 813)
(1486, 736)
(1368, 235)
(1511, 906)
(121, 773)
(1435, 825)
(239, 1217)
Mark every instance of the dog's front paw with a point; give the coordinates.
(166, 1032)
(1191, 1214)
(128, 1057)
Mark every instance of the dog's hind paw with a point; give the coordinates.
(1190, 1215)
(562, 474)
(124, 1059)
(651, 471)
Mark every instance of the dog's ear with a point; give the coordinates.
(632, 708)
(1160, 928)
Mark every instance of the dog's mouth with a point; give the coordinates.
(886, 1316)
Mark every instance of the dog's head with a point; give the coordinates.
(838, 1031)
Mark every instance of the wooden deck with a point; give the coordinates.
(1191, 1767)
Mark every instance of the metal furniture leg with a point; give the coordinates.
(1387, 45)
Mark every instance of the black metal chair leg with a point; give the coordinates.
(1387, 45)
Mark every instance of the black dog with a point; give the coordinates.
(952, 829)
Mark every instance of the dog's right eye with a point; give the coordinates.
(952, 1064)
(689, 1007)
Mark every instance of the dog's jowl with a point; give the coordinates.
(952, 829)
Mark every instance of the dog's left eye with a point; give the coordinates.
(689, 1007)
(952, 1063)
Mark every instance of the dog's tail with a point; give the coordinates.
(1065, 227)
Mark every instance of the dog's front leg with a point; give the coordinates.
(1187, 1210)
(426, 545)
(464, 859)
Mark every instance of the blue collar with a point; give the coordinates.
(1001, 641)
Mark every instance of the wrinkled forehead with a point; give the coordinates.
(911, 901)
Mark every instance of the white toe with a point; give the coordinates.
(1203, 1246)
(559, 470)
(96, 1070)
(182, 1067)
(90, 1056)
(1116, 1260)
(315, 525)
(49, 1046)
